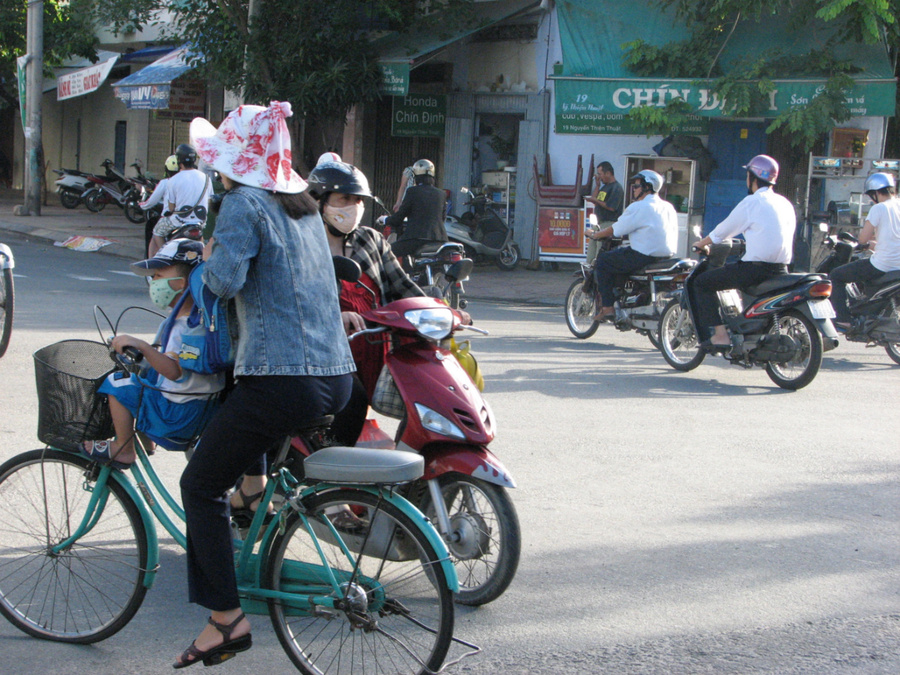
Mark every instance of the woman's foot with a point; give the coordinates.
(243, 502)
(226, 634)
(107, 452)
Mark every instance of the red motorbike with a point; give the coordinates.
(445, 419)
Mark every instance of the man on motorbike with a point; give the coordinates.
(767, 221)
(423, 209)
(187, 197)
(882, 224)
(651, 224)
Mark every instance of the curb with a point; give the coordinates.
(117, 248)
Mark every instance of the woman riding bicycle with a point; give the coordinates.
(292, 362)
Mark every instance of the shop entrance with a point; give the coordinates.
(732, 144)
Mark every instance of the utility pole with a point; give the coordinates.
(34, 162)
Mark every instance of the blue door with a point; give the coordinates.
(732, 144)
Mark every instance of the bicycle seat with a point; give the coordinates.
(339, 464)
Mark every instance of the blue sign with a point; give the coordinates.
(147, 97)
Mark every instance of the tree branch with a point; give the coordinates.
(725, 42)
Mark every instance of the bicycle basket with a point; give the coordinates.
(386, 398)
(68, 375)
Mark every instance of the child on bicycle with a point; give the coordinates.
(166, 403)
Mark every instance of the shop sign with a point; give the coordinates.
(601, 106)
(187, 100)
(419, 115)
(394, 79)
(144, 97)
(560, 230)
(83, 81)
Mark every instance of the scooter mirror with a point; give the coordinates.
(346, 269)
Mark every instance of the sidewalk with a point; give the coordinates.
(56, 224)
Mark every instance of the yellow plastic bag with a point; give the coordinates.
(467, 361)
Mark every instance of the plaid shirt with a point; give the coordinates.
(373, 253)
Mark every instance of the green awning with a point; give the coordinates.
(594, 90)
(400, 54)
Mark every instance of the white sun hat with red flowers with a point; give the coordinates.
(252, 146)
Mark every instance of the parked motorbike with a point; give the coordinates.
(483, 233)
(441, 271)
(874, 307)
(640, 296)
(783, 324)
(445, 419)
(113, 188)
(71, 185)
(144, 185)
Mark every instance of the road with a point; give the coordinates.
(673, 523)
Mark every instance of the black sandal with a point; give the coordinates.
(246, 501)
(221, 653)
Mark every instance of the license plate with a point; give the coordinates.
(821, 309)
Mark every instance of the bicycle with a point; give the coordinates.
(7, 296)
(81, 554)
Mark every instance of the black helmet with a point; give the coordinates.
(339, 177)
(186, 154)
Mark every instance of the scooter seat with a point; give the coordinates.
(431, 249)
(669, 265)
(366, 466)
(886, 278)
(780, 282)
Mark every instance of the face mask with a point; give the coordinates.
(161, 293)
(344, 219)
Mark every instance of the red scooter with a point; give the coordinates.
(445, 419)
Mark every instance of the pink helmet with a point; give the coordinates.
(763, 167)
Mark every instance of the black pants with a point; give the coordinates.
(622, 260)
(737, 275)
(258, 413)
(856, 271)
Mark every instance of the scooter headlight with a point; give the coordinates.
(438, 423)
(434, 323)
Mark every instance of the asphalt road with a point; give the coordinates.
(706, 522)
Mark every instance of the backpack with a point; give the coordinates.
(206, 345)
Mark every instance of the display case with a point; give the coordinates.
(680, 188)
(500, 188)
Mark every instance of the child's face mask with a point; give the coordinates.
(161, 293)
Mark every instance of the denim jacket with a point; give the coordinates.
(280, 274)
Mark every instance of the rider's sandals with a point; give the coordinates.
(246, 502)
(99, 451)
(216, 655)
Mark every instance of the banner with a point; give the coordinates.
(21, 62)
(147, 97)
(586, 106)
(83, 81)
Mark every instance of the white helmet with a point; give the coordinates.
(328, 157)
(423, 168)
(879, 181)
(651, 178)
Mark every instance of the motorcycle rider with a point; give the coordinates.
(423, 209)
(187, 197)
(651, 224)
(159, 192)
(767, 221)
(882, 224)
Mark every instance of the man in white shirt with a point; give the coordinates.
(767, 220)
(186, 200)
(882, 224)
(651, 224)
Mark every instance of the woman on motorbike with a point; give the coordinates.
(292, 362)
(883, 224)
(341, 190)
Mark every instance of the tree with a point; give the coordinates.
(745, 84)
(67, 32)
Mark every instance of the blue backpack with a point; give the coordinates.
(206, 345)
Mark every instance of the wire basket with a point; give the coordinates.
(70, 411)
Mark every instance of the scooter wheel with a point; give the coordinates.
(508, 258)
(93, 200)
(69, 200)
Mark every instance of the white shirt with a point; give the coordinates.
(651, 225)
(194, 383)
(184, 188)
(767, 221)
(885, 218)
(158, 193)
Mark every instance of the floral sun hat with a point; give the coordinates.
(252, 146)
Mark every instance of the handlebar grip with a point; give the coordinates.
(134, 354)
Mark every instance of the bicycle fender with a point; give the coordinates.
(408, 509)
(472, 460)
(7, 262)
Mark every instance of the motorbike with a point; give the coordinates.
(441, 272)
(483, 233)
(71, 185)
(445, 419)
(875, 306)
(640, 296)
(783, 324)
(113, 188)
(144, 186)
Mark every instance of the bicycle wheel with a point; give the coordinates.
(580, 310)
(487, 542)
(7, 302)
(82, 594)
(395, 611)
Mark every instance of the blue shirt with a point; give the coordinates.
(280, 274)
